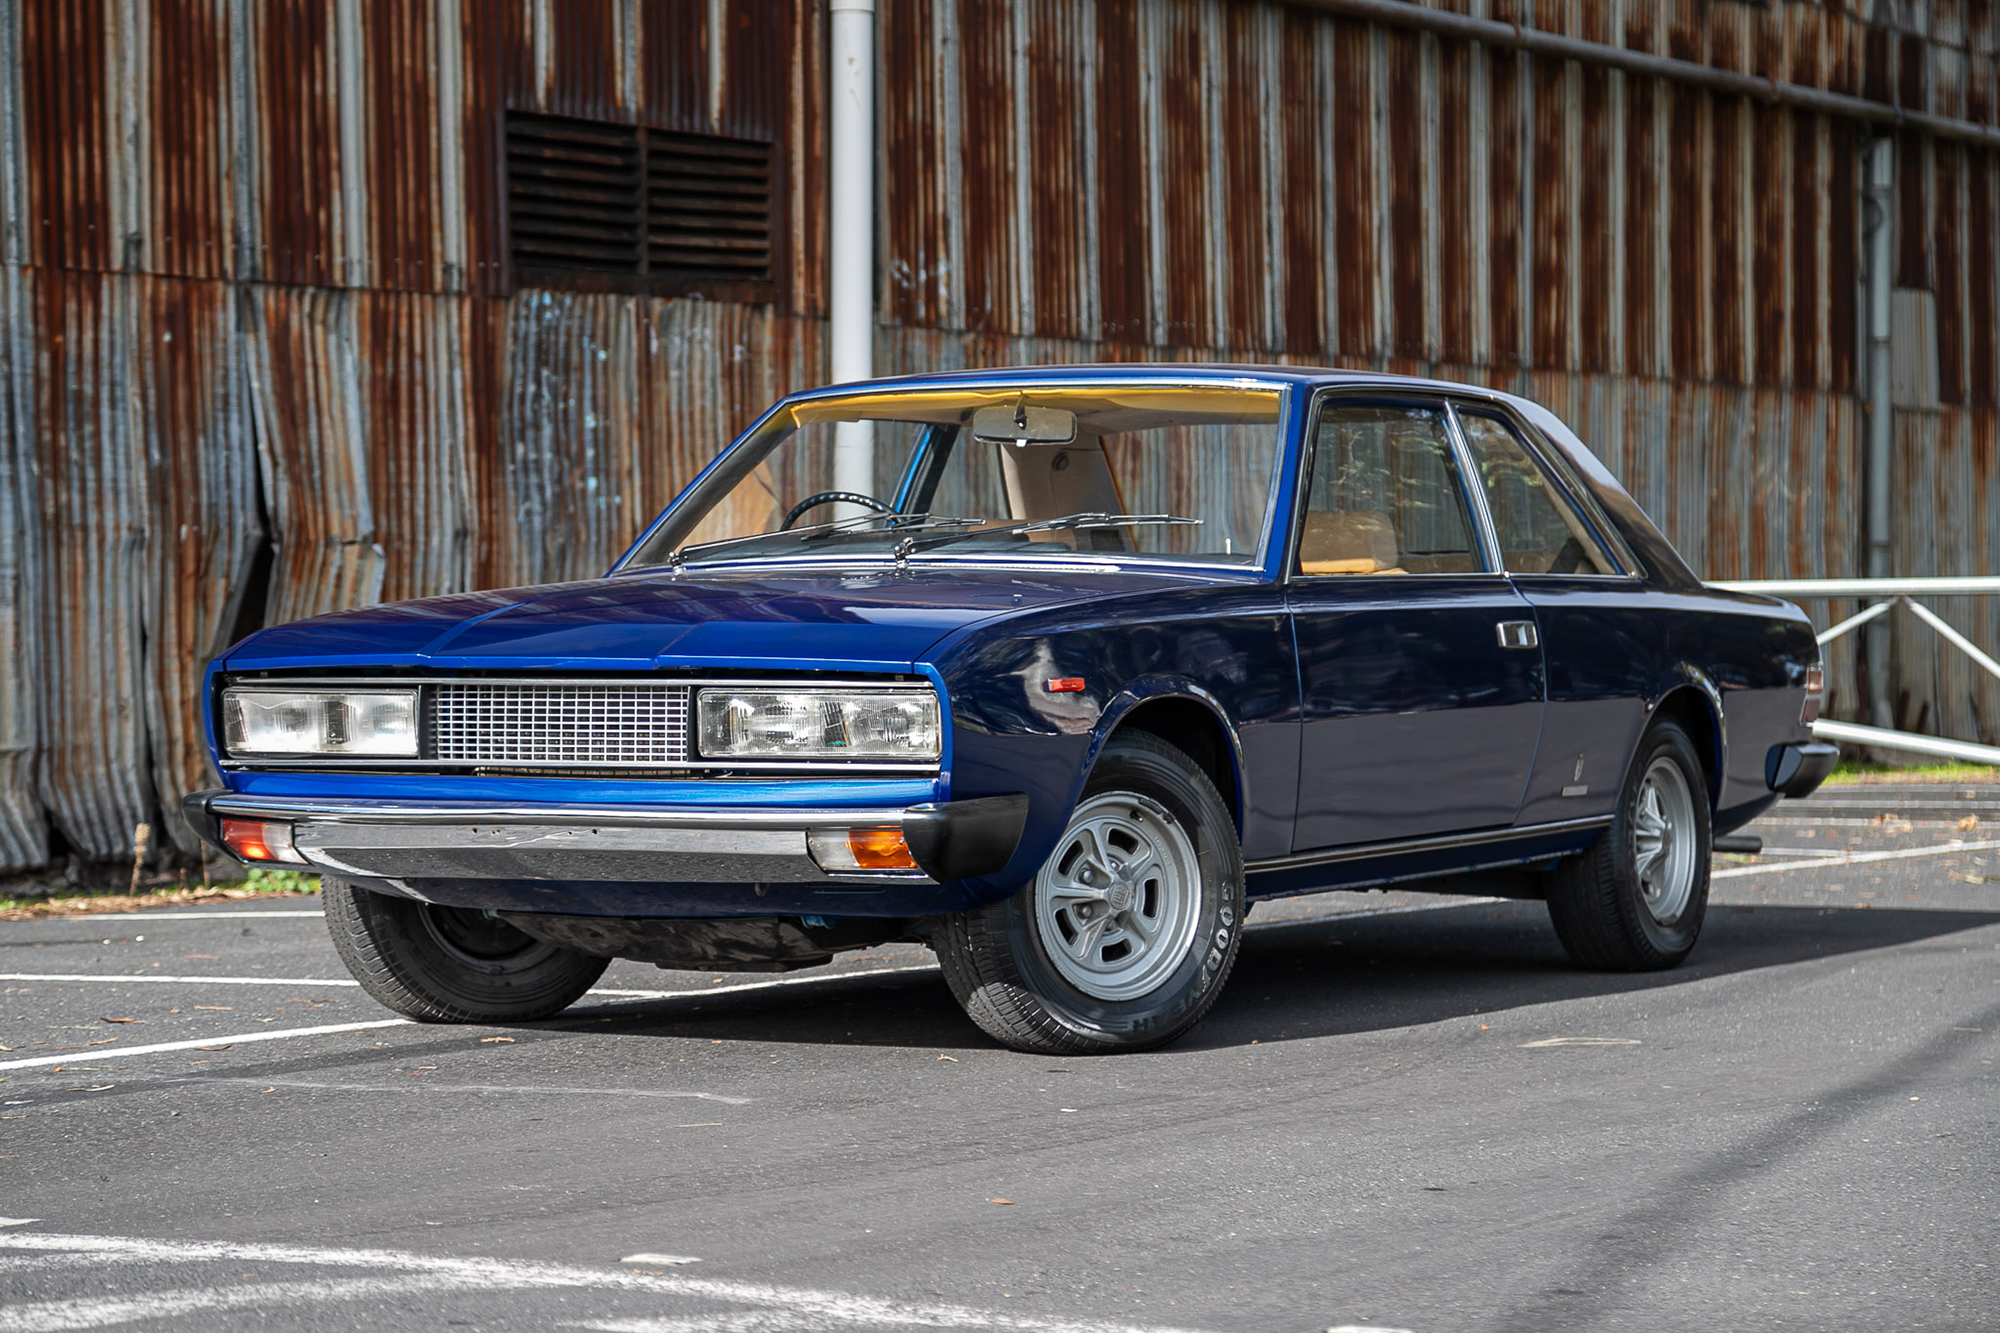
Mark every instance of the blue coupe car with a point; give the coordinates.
(1055, 670)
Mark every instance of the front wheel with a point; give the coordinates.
(1635, 901)
(1130, 928)
(451, 964)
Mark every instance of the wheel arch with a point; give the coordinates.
(1696, 706)
(1187, 718)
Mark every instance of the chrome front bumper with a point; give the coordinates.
(400, 840)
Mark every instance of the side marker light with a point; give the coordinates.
(1064, 685)
(1815, 694)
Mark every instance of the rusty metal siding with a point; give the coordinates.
(187, 114)
(1405, 157)
(1355, 176)
(410, 351)
(1982, 286)
(675, 38)
(307, 196)
(91, 762)
(406, 236)
(1121, 175)
(1055, 129)
(915, 217)
(202, 528)
(66, 108)
(23, 826)
(295, 85)
(1301, 144)
(497, 57)
(305, 400)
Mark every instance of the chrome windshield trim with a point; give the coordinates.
(1066, 563)
(1441, 843)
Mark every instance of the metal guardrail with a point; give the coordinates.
(1894, 593)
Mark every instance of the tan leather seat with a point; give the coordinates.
(1348, 541)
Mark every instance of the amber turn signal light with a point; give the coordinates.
(257, 840)
(880, 849)
(839, 850)
(1064, 685)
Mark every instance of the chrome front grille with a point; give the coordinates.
(560, 725)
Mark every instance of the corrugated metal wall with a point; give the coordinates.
(256, 314)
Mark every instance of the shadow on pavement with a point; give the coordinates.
(1315, 978)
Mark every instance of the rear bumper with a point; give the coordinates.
(467, 841)
(1797, 769)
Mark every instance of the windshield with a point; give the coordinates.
(1178, 472)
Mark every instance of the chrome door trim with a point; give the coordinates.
(1443, 842)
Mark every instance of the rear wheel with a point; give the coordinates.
(1130, 928)
(1635, 901)
(451, 964)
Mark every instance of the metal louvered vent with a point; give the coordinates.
(598, 205)
(708, 205)
(561, 725)
(573, 197)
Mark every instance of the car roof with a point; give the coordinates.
(1220, 372)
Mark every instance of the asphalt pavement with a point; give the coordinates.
(1405, 1113)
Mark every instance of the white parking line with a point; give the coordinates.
(99, 1311)
(153, 977)
(234, 1039)
(797, 1307)
(237, 1039)
(1858, 858)
(476, 1089)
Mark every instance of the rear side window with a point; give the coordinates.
(1539, 532)
(1385, 496)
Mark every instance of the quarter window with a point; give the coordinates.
(1385, 496)
(1538, 531)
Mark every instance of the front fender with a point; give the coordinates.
(1155, 688)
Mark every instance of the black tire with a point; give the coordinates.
(1598, 901)
(451, 964)
(997, 961)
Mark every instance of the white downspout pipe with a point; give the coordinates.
(851, 233)
(1878, 230)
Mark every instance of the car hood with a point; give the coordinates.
(760, 619)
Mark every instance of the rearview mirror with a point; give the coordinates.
(1024, 425)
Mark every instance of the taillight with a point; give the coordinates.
(1815, 693)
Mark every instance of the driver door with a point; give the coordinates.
(1420, 669)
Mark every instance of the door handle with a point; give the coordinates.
(1518, 634)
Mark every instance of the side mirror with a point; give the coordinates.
(1023, 425)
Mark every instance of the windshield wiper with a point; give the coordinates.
(1098, 519)
(816, 531)
(1068, 522)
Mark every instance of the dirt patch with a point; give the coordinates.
(90, 904)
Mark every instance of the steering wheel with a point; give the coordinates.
(833, 497)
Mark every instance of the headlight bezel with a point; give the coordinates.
(748, 710)
(326, 723)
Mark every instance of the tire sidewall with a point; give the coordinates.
(1187, 992)
(1668, 740)
(542, 978)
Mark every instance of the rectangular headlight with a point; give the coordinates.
(279, 721)
(819, 724)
